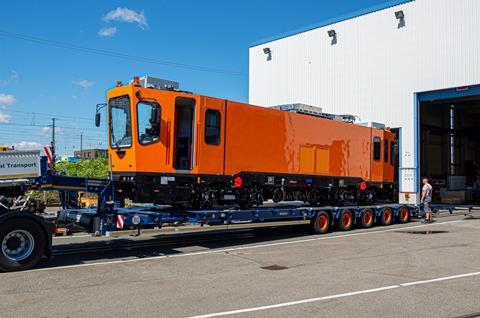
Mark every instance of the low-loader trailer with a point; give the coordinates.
(26, 237)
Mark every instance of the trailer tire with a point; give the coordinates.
(367, 218)
(345, 222)
(321, 223)
(403, 215)
(386, 216)
(22, 244)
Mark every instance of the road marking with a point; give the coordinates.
(248, 247)
(311, 300)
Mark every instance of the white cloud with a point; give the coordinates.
(28, 145)
(4, 118)
(107, 32)
(126, 15)
(47, 131)
(13, 77)
(84, 83)
(7, 99)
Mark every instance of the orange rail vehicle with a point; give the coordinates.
(177, 148)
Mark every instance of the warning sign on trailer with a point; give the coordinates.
(19, 164)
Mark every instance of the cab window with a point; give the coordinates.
(393, 153)
(385, 151)
(377, 145)
(148, 122)
(212, 127)
(120, 122)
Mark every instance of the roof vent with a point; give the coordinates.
(158, 83)
(300, 108)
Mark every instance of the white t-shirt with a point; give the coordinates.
(428, 192)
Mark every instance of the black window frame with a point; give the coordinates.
(219, 128)
(377, 141)
(159, 121)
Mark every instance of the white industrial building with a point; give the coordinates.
(412, 65)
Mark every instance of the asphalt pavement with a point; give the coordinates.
(411, 270)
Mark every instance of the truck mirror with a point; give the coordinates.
(97, 119)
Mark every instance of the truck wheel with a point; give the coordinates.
(321, 223)
(345, 222)
(367, 218)
(386, 217)
(403, 215)
(22, 244)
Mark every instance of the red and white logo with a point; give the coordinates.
(120, 221)
(49, 152)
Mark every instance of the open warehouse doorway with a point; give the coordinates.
(450, 144)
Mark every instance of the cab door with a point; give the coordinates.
(211, 136)
(377, 153)
(389, 160)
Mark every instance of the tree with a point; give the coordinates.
(89, 168)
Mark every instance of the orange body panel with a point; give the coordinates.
(268, 140)
(253, 139)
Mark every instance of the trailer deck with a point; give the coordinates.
(25, 237)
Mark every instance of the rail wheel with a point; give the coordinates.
(367, 218)
(403, 215)
(345, 222)
(321, 223)
(386, 217)
(22, 244)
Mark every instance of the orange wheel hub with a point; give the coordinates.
(387, 215)
(346, 220)
(404, 214)
(322, 222)
(367, 217)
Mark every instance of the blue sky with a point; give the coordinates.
(52, 81)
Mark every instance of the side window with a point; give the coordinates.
(148, 122)
(393, 153)
(377, 145)
(385, 151)
(212, 127)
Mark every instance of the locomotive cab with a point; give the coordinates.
(155, 142)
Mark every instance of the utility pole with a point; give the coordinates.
(53, 139)
(81, 141)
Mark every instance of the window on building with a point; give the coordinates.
(377, 151)
(212, 127)
(385, 151)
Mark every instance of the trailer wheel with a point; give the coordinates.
(403, 215)
(22, 244)
(321, 223)
(386, 217)
(345, 223)
(367, 218)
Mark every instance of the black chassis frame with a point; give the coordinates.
(182, 189)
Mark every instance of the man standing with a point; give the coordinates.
(427, 200)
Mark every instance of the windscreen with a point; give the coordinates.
(120, 122)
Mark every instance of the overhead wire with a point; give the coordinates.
(123, 56)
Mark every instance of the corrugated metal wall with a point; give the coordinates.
(376, 66)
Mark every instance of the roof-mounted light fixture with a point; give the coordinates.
(333, 35)
(268, 52)
(400, 16)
